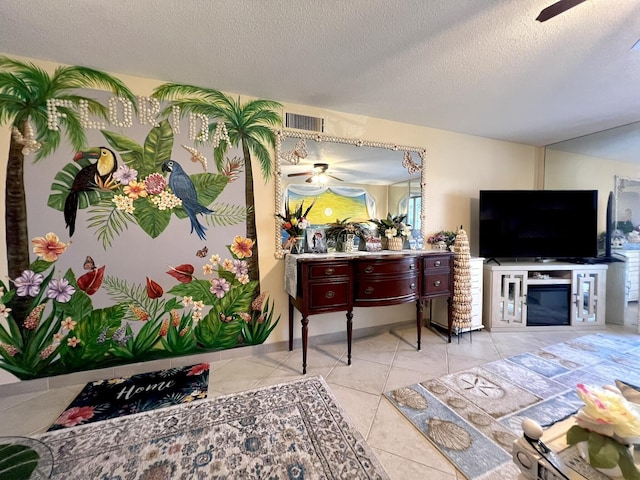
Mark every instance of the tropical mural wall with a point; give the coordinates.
(130, 222)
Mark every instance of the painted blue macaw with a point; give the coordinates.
(183, 188)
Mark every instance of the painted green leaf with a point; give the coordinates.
(17, 461)
(211, 332)
(198, 289)
(157, 148)
(152, 220)
(62, 186)
(122, 143)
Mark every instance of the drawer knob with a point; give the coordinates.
(412, 266)
(368, 290)
(329, 271)
(436, 283)
(412, 286)
(330, 294)
(368, 269)
(437, 263)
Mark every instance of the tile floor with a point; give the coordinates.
(380, 363)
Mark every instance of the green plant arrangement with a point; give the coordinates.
(295, 222)
(340, 228)
(392, 226)
(446, 236)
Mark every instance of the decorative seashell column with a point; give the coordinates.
(461, 302)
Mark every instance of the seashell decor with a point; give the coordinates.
(461, 301)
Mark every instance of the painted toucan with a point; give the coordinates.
(87, 180)
(183, 188)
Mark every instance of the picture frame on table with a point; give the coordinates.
(316, 240)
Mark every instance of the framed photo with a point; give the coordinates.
(316, 240)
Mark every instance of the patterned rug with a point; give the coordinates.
(293, 430)
(106, 399)
(473, 416)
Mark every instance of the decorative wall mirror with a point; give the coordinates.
(392, 174)
(626, 210)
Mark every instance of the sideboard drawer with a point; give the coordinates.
(329, 295)
(395, 289)
(386, 267)
(435, 283)
(327, 270)
(436, 261)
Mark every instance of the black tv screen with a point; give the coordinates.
(538, 224)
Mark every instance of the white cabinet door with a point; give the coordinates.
(588, 293)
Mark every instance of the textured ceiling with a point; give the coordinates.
(482, 67)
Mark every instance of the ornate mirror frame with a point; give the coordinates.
(406, 161)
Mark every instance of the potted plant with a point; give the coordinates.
(295, 223)
(394, 230)
(442, 240)
(341, 231)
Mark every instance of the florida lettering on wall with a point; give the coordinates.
(130, 224)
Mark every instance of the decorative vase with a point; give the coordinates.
(395, 243)
(615, 472)
(298, 247)
(441, 245)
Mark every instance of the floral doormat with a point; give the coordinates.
(294, 430)
(473, 416)
(106, 399)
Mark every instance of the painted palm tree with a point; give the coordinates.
(249, 125)
(24, 91)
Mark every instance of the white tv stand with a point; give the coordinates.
(507, 285)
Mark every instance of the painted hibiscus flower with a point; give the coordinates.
(74, 416)
(219, 287)
(48, 247)
(60, 290)
(241, 247)
(135, 190)
(28, 284)
(125, 174)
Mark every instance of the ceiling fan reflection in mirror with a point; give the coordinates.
(317, 175)
(556, 9)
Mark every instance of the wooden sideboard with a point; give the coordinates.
(324, 283)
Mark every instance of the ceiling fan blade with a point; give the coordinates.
(336, 178)
(299, 174)
(556, 9)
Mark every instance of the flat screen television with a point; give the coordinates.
(544, 224)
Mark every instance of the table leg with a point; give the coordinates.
(290, 325)
(449, 318)
(305, 336)
(419, 311)
(349, 335)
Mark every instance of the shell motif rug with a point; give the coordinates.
(474, 416)
(294, 430)
(104, 399)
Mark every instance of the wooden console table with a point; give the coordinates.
(324, 283)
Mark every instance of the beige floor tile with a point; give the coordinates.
(238, 375)
(362, 375)
(430, 359)
(399, 468)
(38, 413)
(401, 377)
(463, 362)
(359, 406)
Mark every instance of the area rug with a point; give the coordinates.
(294, 430)
(473, 416)
(104, 399)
